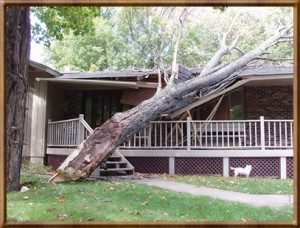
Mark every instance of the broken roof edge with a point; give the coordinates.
(267, 70)
(110, 74)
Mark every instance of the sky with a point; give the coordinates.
(36, 51)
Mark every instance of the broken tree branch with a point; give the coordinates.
(159, 86)
(174, 73)
(224, 50)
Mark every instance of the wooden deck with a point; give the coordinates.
(259, 142)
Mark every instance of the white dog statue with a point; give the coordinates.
(242, 171)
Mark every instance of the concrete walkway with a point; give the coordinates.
(253, 200)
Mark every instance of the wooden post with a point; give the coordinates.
(188, 133)
(171, 165)
(225, 167)
(282, 167)
(262, 132)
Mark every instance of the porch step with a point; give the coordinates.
(115, 165)
(116, 172)
(114, 158)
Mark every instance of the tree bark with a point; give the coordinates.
(106, 138)
(17, 60)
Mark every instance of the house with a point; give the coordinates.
(247, 121)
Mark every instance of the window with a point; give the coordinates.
(101, 105)
(236, 107)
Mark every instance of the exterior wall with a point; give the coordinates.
(135, 96)
(39, 123)
(28, 122)
(272, 102)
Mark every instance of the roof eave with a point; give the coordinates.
(45, 68)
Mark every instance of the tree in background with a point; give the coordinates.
(133, 37)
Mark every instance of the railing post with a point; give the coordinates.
(262, 132)
(188, 133)
(149, 135)
(80, 130)
(49, 133)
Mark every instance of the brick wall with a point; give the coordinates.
(272, 102)
(74, 102)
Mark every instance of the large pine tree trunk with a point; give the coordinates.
(106, 138)
(17, 60)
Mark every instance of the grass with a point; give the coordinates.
(238, 184)
(124, 201)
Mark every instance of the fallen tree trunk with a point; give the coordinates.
(106, 138)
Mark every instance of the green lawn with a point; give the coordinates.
(238, 184)
(123, 201)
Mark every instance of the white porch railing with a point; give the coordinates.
(188, 134)
(68, 133)
(215, 134)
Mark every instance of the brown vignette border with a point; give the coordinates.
(4, 3)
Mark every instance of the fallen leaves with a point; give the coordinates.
(62, 199)
(134, 212)
(62, 216)
(144, 203)
(50, 209)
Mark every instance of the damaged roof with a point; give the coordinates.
(184, 73)
(111, 74)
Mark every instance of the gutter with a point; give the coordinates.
(119, 84)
